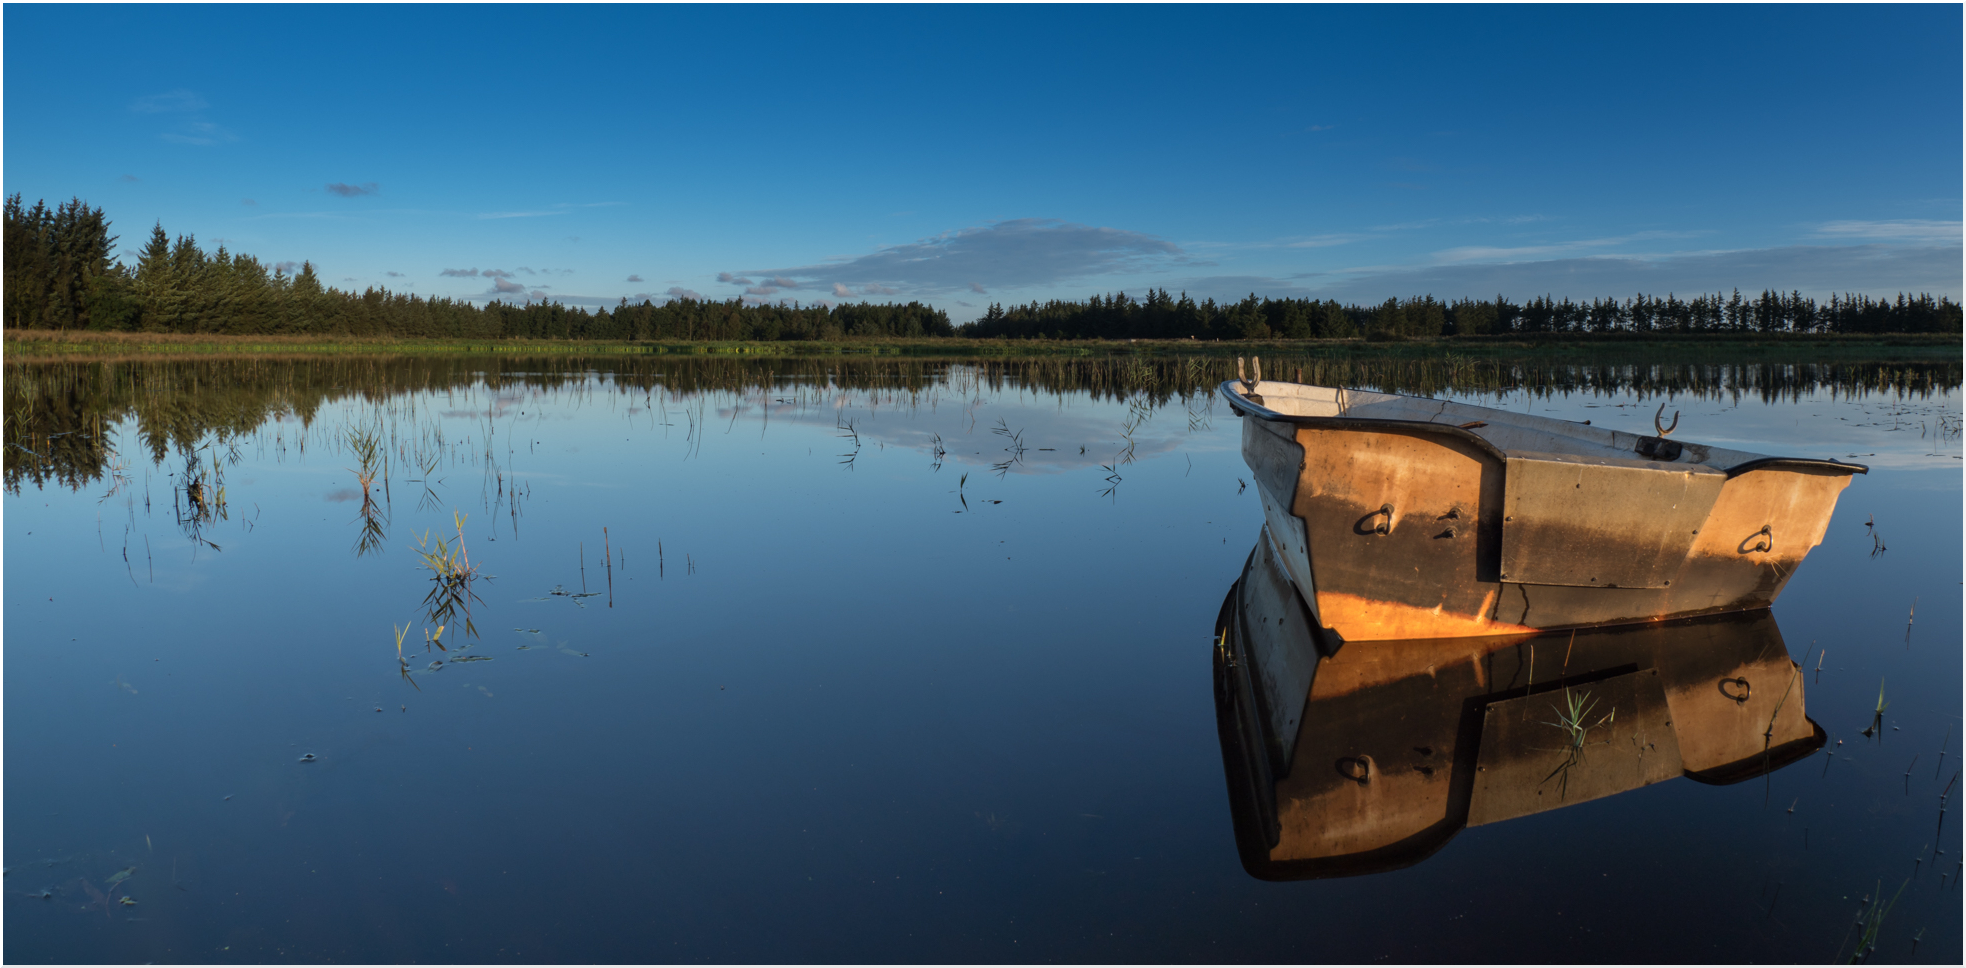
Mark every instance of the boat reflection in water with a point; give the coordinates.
(1353, 758)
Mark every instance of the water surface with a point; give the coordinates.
(849, 660)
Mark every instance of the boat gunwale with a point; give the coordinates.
(1245, 408)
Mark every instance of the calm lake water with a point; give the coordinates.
(844, 660)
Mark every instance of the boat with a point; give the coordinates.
(1401, 517)
(1346, 759)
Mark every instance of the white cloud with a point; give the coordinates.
(169, 102)
(1903, 229)
(1814, 270)
(1321, 241)
(1001, 255)
(198, 133)
(1487, 253)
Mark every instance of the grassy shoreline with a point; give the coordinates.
(1582, 347)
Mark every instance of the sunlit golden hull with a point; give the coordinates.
(1398, 517)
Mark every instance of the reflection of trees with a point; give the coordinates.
(55, 411)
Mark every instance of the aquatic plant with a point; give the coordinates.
(365, 444)
(1573, 720)
(1768, 735)
(1869, 920)
(402, 661)
(1015, 450)
(452, 574)
(1877, 718)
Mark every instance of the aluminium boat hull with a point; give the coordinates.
(1402, 517)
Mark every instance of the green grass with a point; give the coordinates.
(1594, 347)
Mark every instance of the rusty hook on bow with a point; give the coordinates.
(1746, 690)
(1370, 524)
(1659, 424)
(1355, 768)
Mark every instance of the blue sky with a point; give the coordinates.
(964, 155)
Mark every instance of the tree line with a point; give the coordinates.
(59, 274)
(1162, 316)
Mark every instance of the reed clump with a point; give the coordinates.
(451, 575)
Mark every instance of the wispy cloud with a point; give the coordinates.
(558, 208)
(734, 280)
(977, 287)
(1815, 270)
(1901, 229)
(198, 133)
(179, 101)
(249, 203)
(1001, 255)
(1321, 241)
(346, 190)
(504, 286)
(681, 293)
(1492, 253)
(191, 128)
(129, 178)
(634, 278)
(460, 273)
(393, 274)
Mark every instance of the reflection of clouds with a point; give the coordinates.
(967, 435)
(1854, 430)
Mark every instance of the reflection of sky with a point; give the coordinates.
(1056, 436)
(1879, 430)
